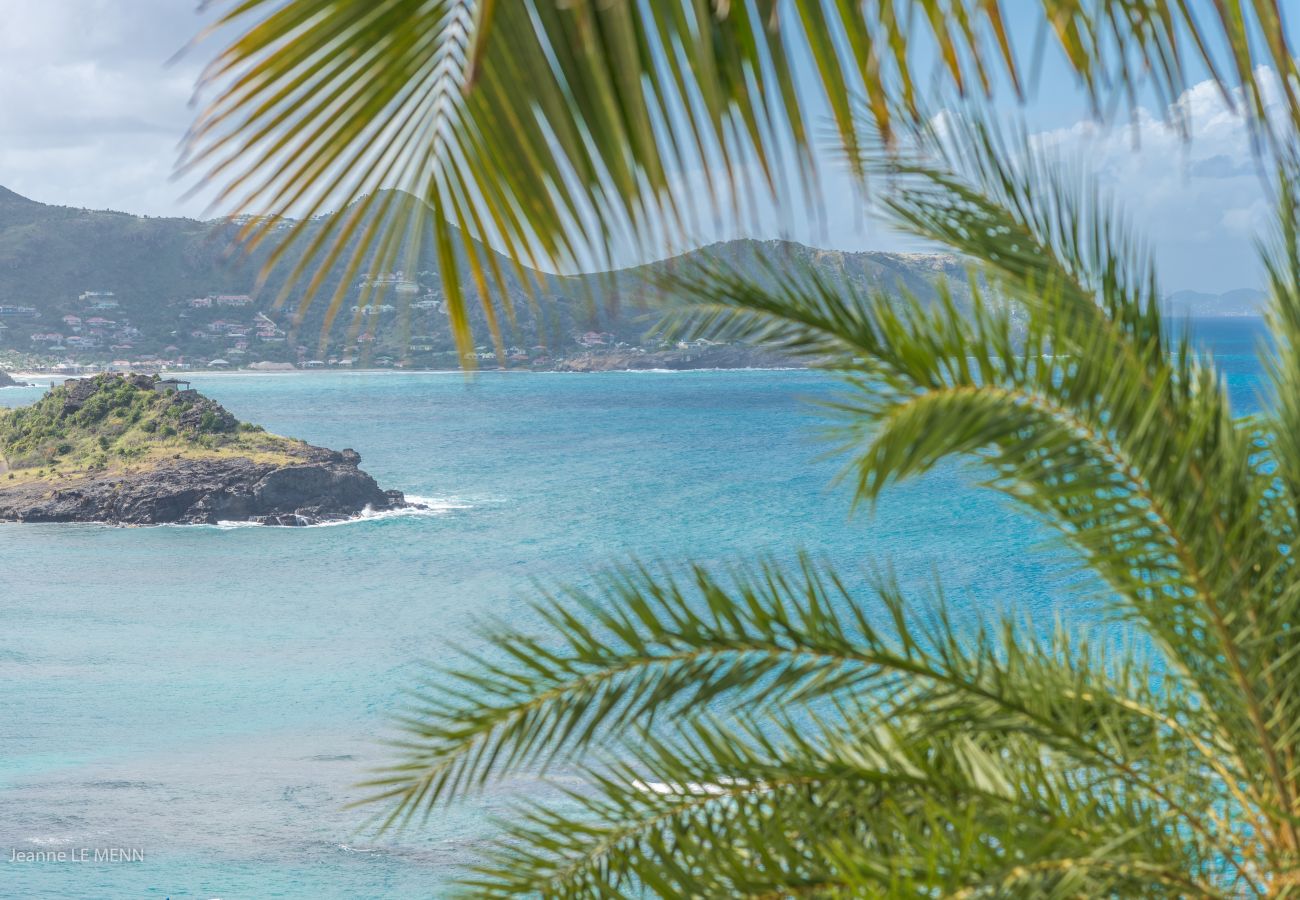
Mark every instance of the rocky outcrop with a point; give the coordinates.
(134, 450)
(326, 486)
(7, 381)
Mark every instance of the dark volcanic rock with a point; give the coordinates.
(7, 381)
(327, 487)
(222, 470)
(208, 416)
(79, 391)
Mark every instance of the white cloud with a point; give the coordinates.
(92, 114)
(1201, 202)
(92, 111)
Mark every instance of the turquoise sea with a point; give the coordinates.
(210, 696)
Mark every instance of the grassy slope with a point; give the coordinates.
(124, 428)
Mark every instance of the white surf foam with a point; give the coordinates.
(424, 507)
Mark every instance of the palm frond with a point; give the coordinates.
(563, 133)
(1078, 411)
(783, 808)
(1281, 257)
(771, 732)
(791, 649)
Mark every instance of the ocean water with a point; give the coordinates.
(211, 696)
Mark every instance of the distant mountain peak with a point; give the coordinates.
(9, 197)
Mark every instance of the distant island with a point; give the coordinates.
(141, 450)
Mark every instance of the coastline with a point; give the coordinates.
(47, 377)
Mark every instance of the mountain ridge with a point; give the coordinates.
(105, 287)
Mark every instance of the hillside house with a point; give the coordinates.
(99, 299)
(396, 281)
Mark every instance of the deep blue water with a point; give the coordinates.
(212, 695)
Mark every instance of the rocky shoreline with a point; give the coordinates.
(278, 482)
(206, 491)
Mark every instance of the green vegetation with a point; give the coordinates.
(814, 737)
(563, 131)
(155, 266)
(114, 422)
(808, 738)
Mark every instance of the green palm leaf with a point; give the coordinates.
(865, 755)
(989, 762)
(778, 731)
(564, 133)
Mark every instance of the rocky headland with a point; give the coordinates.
(7, 380)
(134, 450)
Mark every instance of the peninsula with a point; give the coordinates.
(139, 450)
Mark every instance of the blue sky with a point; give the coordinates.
(1200, 204)
(91, 115)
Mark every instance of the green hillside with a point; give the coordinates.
(93, 286)
(51, 253)
(111, 422)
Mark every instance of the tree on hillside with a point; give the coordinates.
(771, 731)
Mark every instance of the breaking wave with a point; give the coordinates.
(423, 508)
